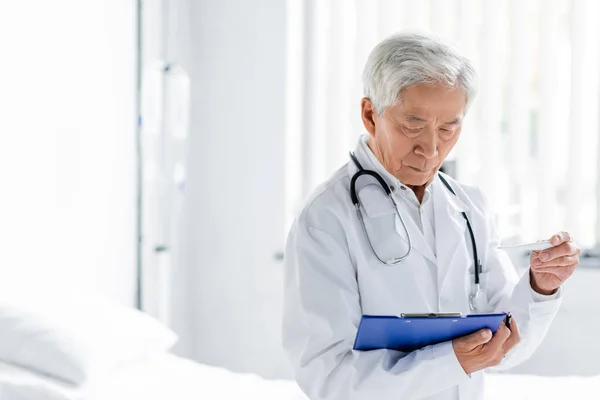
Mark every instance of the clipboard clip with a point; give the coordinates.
(430, 315)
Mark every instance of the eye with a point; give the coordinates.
(447, 132)
(411, 131)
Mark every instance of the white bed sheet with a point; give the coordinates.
(171, 377)
(162, 377)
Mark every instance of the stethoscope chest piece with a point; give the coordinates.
(478, 300)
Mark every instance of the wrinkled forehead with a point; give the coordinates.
(423, 102)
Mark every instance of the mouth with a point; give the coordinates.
(420, 171)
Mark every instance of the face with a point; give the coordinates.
(412, 138)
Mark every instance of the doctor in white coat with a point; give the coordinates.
(417, 90)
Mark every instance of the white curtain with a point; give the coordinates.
(530, 140)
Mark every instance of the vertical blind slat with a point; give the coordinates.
(295, 185)
(546, 177)
(339, 71)
(416, 15)
(366, 20)
(490, 100)
(518, 106)
(390, 19)
(576, 118)
(441, 24)
(315, 150)
(467, 158)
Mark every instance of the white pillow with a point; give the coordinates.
(73, 337)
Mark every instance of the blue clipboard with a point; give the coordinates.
(414, 331)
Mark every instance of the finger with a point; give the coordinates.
(514, 339)
(470, 342)
(501, 336)
(560, 237)
(559, 273)
(565, 249)
(562, 261)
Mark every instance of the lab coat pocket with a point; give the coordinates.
(379, 222)
(385, 239)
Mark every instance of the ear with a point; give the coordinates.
(369, 115)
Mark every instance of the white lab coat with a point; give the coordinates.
(332, 278)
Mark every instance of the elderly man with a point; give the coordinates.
(388, 234)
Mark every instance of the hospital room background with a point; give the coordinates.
(155, 152)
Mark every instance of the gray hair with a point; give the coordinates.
(408, 59)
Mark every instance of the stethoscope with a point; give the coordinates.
(476, 298)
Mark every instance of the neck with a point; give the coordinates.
(419, 191)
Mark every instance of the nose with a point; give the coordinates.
(427, 145)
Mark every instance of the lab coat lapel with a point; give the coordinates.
(449, 229)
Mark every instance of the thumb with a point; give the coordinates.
(476, 339)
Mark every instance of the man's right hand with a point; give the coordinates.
(481, 349)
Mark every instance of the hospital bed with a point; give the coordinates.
(95, 350)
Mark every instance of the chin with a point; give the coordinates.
(418, 179)
(418, 182)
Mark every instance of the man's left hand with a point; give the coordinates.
(550, 268)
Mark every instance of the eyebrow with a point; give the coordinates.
(415, 118)
(455, 121)
(411, 117)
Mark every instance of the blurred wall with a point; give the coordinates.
(234, 210)
(67, 145)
